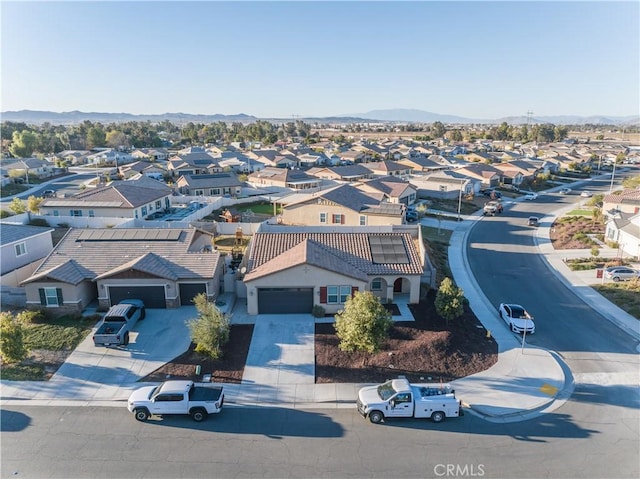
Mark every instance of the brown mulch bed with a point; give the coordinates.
(423, 350)
(228, 369)
(562, 233)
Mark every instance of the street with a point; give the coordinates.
(68, 442)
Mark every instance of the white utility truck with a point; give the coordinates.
(176, 397)
(399, 398)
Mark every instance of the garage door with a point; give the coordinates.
(285, 300)
(152, 296)
(189, 291)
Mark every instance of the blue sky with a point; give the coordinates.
(278, 59)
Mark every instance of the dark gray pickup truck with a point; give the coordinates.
(119, 320)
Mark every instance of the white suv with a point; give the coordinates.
(621, 273)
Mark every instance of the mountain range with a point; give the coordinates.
(390, 115)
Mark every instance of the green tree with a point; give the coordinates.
(456, 135)
(449, 300)
(23, 143)
(17, 206)
(33, 204)
(12, 347)
(438, 129)
(364, 323)
(210, 331)
(96, 137)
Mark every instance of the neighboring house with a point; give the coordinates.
(420, 164)
(628, 201)
(72, 157)
(164, 267)
(32, 166)
(351, 156)
(21, 251)
(120, 199)
(311, 159)
(293, 272)
(217, 184)
(195, 163)
(109, 156)
(241, 163)
(283, 178)
(344, 205)
(624, 229)
(488, 175)
(394, 189)
(388, 168)
(141, 167)
(445, 185)
(154, 154)
(478, 157)
(349, 173)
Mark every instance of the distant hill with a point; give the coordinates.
(394, 115)
(73, 117)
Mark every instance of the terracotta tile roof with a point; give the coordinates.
(345, 253)
(87, 254)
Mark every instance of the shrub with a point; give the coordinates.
(364, 323)
(210, 331)
(449, 300)
(38, 222)
(12, 347)
(5, 214)
(318, 311)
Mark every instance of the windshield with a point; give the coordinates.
(385, 391)
(154, 391)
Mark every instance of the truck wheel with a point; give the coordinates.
(143, 313)
(376, 417)
(126, 338)
(437, 416)
(198, 415)
(141, 414)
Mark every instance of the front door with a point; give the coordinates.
(397, 285)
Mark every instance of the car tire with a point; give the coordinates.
(376, 417)
(141, 414)
(126, 339)
(437, 416)
(616, 279)
(143, 313)
(199, 415)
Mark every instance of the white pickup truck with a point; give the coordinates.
(399, 398)
(174, 398)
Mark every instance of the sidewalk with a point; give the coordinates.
(524, 382)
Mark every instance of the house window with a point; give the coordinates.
(92, 214)
(337, 219)
(56, 213)
(215, 191)
(198, 193)
(50, 296)
(345, 293)
(332, 294)
(21, 249)
(144, 211)
(323, 217)
(363, 220)
(158, 204)
(75, 212)
(376, 285)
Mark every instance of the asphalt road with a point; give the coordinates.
(87, 442)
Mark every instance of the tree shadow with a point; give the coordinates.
(13, 421)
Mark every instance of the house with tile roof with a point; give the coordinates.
(343, 205)
(348, 173)
(195, 163)
(31, 166)
(141, 168)
(296, 180)
(488, 175)
(626, 201)
(421, 164)
(447, 184)
(394, 190)
(138, 198)
(291, 272)
(624, 229)
(153, 154)
(388, 168)
(217, 184)
(164, 267)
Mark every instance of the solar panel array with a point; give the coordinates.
(160, 234)
(388, 250)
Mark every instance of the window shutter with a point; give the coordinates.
(354, 290)
(59, 294)
(341, 219)
(323, 294)
(43, 298)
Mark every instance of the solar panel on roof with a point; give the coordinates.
(388, 250)
(130, 235)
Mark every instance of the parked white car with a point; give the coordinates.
(586, 194)
(517, 318)
(531, 196)
(565, 191)
(621, 273)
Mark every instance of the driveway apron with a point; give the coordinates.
(282, 351)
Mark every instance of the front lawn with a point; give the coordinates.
(625, 295)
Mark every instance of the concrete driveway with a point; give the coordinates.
(160, 337)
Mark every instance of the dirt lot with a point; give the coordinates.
(421, 349)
